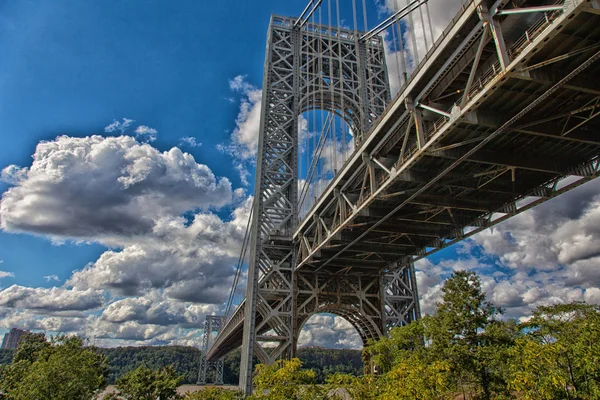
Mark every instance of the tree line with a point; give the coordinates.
(185, 361)
(464, 350)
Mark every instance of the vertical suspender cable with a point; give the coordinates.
(401, 47)
(415, 54)
(305, 96)
(366, 24)
(313, 85)
(424, 29)
(369, 72)
(321, 74)
(395, 50)
(430, 25)
(240, 263)
(313, 165)
(355, 16)
(330, 52)
(334, 132)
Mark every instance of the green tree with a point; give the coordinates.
(144, 383)
(409, 370)
(401, 344)
(416, 379)
(286, 380)
(366, 387)
(457, 331)
(535, 370)
(462, 346)
(559, 356)
(6, 356)
(62, 369)
(185, 360)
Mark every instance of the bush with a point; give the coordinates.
(144, 383)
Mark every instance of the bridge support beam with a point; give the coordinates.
(400, 297)
(496, 31)
(269, 306)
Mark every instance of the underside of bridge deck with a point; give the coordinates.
(467, 145)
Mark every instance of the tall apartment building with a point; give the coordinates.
(12, 338)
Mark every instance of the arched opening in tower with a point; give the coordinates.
(329, 331)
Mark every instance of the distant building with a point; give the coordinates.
(12, 338)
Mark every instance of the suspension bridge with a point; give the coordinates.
(496, 115)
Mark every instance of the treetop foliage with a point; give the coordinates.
(465, 350)
(59, 369)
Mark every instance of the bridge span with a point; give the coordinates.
(498, 117)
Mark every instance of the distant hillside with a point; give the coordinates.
(186, 360)
(123, 359)
(323, 361)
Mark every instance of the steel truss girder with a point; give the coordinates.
(343, 212)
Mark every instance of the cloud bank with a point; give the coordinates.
(171, 244)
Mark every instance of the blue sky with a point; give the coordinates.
(72, 67)
(182, 70)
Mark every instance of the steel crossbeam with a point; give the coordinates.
(500, 116)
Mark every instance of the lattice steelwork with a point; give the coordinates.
(212, 324)
(307, 67)
(499, 116)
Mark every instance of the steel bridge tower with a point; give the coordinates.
(212, 324)
(312, 67)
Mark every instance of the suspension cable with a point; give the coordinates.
(430, 25)
(303, 17)
(424, 30)
(316, 156)
(240, 263)
(413, 35)
(403, 12)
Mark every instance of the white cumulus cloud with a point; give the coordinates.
(244, 138)
(5, 274)
(49, 278)
(94, 187)
(330, 331)
(48, 300)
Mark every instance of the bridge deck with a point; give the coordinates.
(438, 167)
(510, 143)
